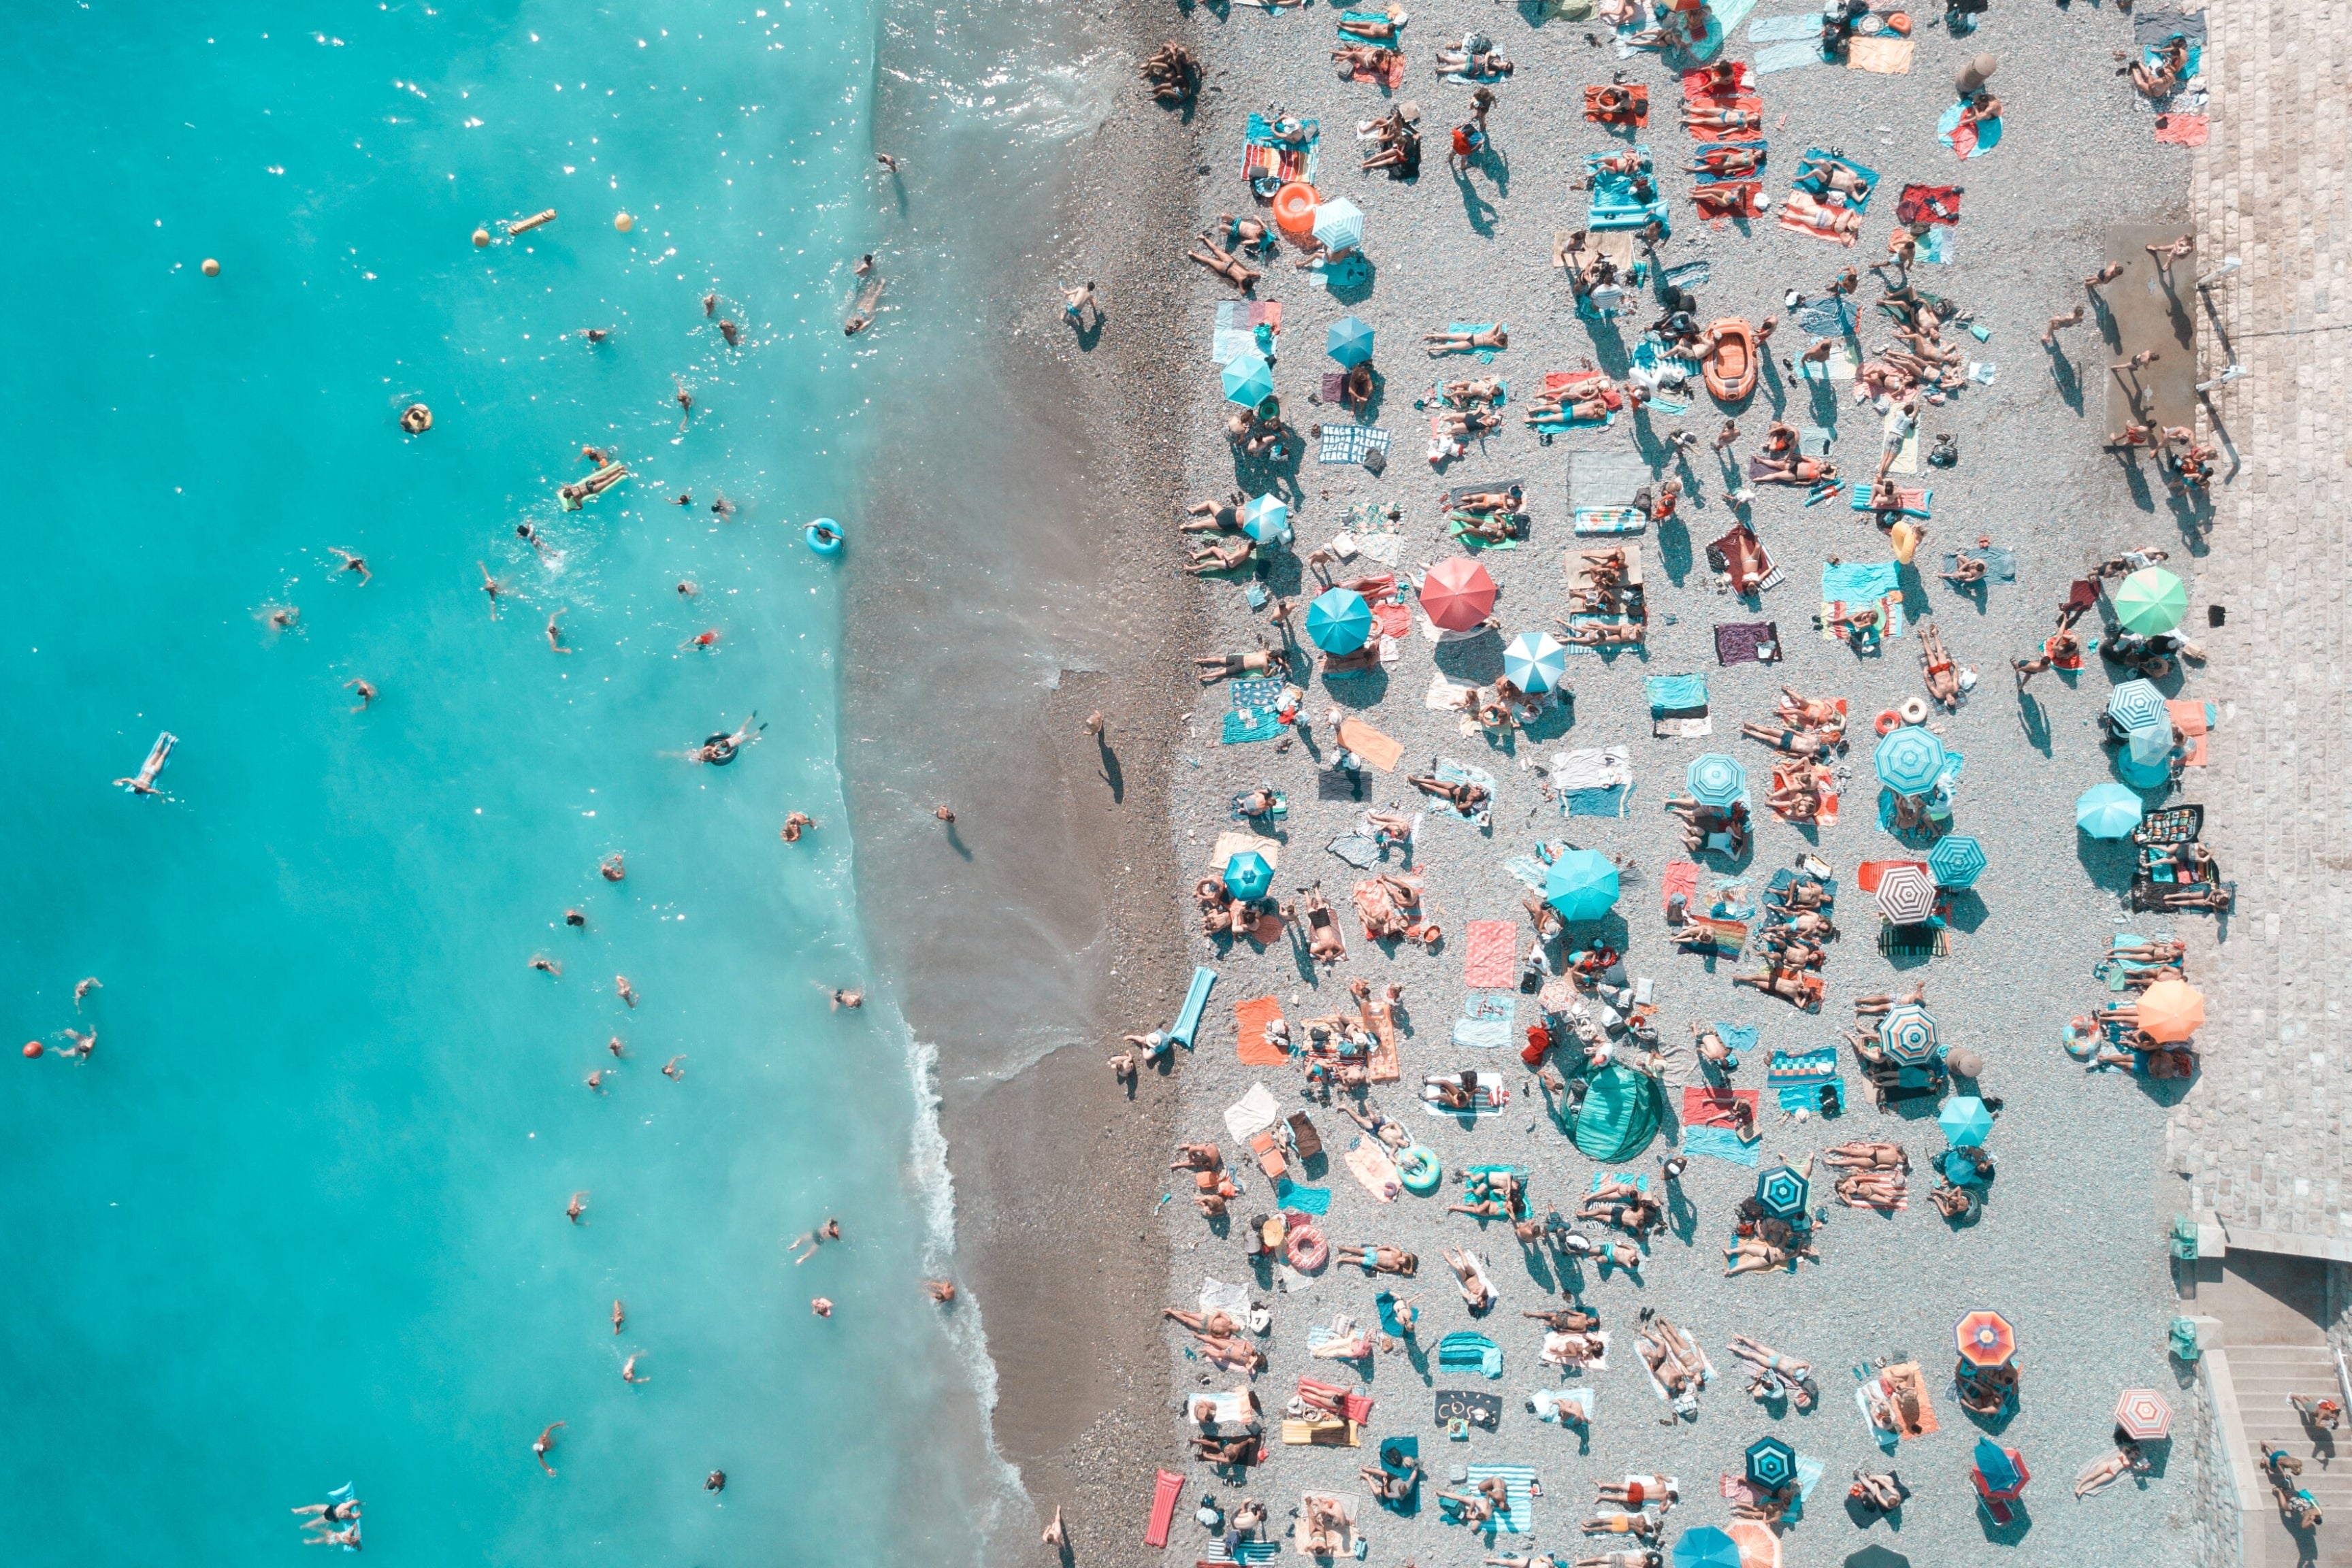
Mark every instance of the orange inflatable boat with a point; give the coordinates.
(1731, 363)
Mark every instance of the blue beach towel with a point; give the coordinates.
(1854, 583)
(1486, 356)
(1721, 1143)
(1245, 724)
(1794, 55)
(1403, 1448)
(1832, 316)
(1306, 1200)
(1254, 691)
(1213, 1550)
(1520, 1518)
(1369, 17)
(1448, 771)
(1674, 693)
(1350, 443)
(1467, 1349)
(1814, 185)
(1486, 1019)
(1757, 147)
(1613, 801)
(1987, 134)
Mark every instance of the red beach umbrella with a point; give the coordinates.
(2143, 1414)
(1457, 593)
(1985, 1339)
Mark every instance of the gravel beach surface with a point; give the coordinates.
(2069, 1246)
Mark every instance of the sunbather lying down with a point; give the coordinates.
(1793, 470)
(2169, 68)
(1381, 27)
(1822, 219)
(1723, 160)
(1832, 176)
(1493, 337)
(1507, 500)
(1216, 667)
(1475, 390)
(1224, 264)
(1695, 119)
(1369, 58)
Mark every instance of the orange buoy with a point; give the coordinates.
(1899, 24)
(32, 1049)
(1294, 209)
(1888, 720)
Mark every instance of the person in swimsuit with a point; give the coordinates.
(1795, 742)
(1211, 516)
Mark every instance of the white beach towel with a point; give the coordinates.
(1221, 1297)
(1252, 1114)
(1592, 767)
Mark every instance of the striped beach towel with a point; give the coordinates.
(1518, 1481)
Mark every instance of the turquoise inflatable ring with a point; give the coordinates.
(1419, 1169)
(823, 536)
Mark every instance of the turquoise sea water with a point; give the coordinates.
(300, 1220)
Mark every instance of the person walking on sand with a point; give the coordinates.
(1076, 301)
(366, 689)
(576, 1208)
(944, 814)
(2050, 332)
(1053, 1536)
(542, 1443)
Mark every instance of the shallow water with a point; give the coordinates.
(300, 1219)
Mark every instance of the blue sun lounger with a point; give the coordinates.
(1189, 1021)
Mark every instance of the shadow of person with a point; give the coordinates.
(1112, 774)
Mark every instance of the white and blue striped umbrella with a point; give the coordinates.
(1532, 662)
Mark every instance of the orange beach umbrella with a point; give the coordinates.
(2170, 1010)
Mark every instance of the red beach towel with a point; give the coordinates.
(1251, 1018)
(2181, 130)
(1929, 204)
(1682, 876)
(1491, 957)
(1704, 1107)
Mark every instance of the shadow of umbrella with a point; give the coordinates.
(1877, 1557)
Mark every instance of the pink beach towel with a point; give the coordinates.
(1373, 1167)
(1682, 876)
(1163, 1508)
(1491, 958)
(1704, 1107)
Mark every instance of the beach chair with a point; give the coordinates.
(1272, 1159)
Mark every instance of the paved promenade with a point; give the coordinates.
(2262, 1135)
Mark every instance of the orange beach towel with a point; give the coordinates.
(1250, 1019)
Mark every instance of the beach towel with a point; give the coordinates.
(1748, 642)
(1486, 356)
(1608, 521)
(1790, 54)
(1471, 1350)
(1885, 56)
(1289, 1195)
(1354, 1405)
(1401, 1456)
(1398, 16)
(1255, 691)
(1710, 1107)
(1237, 325)
(1487, 1020)
(1721, 1143)
(1369, 744)
(1614, 205)
(1798, 1079)
(1806, 214)
(1244, 1551)
(1591, 767)
(1246, 724)
(1350, 443)
(1675, 693)
(1448, 771)
(1252, 1114)
(1681, 877)
(1268, 164)
(1971, 141)
(1520, 1518)
(1832, 316)
(1490, 956)
(1859, 581)
(1250, 1019)
(1370, 1164)
(1605, 478)
(1916, 503)
(1163, 1508)
(1938, 245)
(1707, 175)
(1744, 560)
(2000, 565)
(1697, 88)
(2181, 130)
(1638, 115)
(1454, 1404)
(2194, 720)
(1929, 203)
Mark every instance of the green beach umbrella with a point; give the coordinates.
(1957, 861)
(1349, 341)
(1581, 885)
(1339, 621)
(1266, 520)
(1249, 380)
(1249, 875)
(1717, 781)
(1965, 1120)
(1909, 759)
(2151, 600)
(2134, 703)
(1339, 223)
(2107, 811)
(1532, 662)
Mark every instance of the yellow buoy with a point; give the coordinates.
(623, 222)
(481, 238)
(211, 268)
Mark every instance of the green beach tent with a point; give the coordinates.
(1619, 1115)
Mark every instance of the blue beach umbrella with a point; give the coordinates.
(1532, 662)
(1266, 520)
(1581, 885)
(1249, 380)
(1783, 1191)
(2002, 1468)
(1339, 223)
(1909, 759)
(2134, 703)
(2107, 811)
(1717, 781)
(1339, 621)
(1349, 341)
(1909, 1035)
(1957, 861)
(1706, 1547)
(1965, 1120)
(1249, 875)
(1772, 1463)
(2150, 745)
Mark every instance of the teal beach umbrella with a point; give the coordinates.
(1908, 1035)
(1784, 1192)
(1772, 1463)
(1909, 759)
(1965, 1120)
(1249, 380)
(2150, 745)
(1957, 861)
(1532, 662)
(2151, 600)
(1339, 621)
(1706, 1547)
(2136, 703)
(1339, 223)
(1266, 520)
(2107, 811)
(1249, 875)
(1581, 885)
(1717, 781)
(1349, 341)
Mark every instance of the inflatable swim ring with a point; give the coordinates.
(1419, 1169)
(1888, 720)
(1913, 709)
(416, 419)
(2081, 1038)
(1305, 1248)
(1294, 209)
(719, 750)
(823, 536)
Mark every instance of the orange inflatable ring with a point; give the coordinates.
(1888, 720)
(1899, 25)
(1294, 209)
(1305, 1248)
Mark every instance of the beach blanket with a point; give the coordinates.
(1255, 691)
(1796, 44)
(1490, 956)
(1885, 56)
(1798, 1077)
(1289, 1195)
(1252, 1114)
(1245, 724)
(1971, 141)
(1708, 175)
(1608, 521)
(1368, 743)
(1710, 1107)
(1237, 325)
(2000, 565)
(1928, 205)
(1321, 1431)
(1517, 1480)
(1394, 15)
(1938, 245)
(1836, 621)
(1487, 1020)
(1748, 642)
(1596, 799)
(1614, 205)
(1860, 580)
(1486, 356)
(1915, 502)
(1722, 1144)
(1350, 443)
(1244, 1551)
(1268, 163)
(1796, 774)
(1370, 1164)
(1817, 184)
(1677, 706)
(1807, 214)
(2181, 130)
(1468, 1349)
(1448, 771)
(1606, 477)
(2194, 720)
(1250, 1019)
(1831, 316)
(1637, 115)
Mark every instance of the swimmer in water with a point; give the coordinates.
(529, 536)
(685, 403)
(490, 587)
(539, 1446)
(83, 988)
(620, 1315)
(829, 1231)
(325, 1513)
(820, 1307)
(709, 305)
(353, 563)
(614, 1045)
(555, 633)
(846, 998)
(574, 1210)
(683, 497)
(612, 868)
(796, 823)
(670, 1070)
(82, 1045)
(547, 966)
(722, 506)
(864, 265)
(280, 618)
(731, 333)
(574, 919)
(143, 782)
(348, 1536)
(596, 1081)
(688, 587)
(597, 335)
(942, 1290)
(700, 639)
(715, 1481)
(629, 1371)
(365, 689)
(628, 992)
(721, 749)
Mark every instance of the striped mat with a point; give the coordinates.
(1518, 1481)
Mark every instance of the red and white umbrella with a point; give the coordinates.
(1457, 593)
(2143, 1414)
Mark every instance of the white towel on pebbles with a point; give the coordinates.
(1252, 1114)
(1592, 767)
